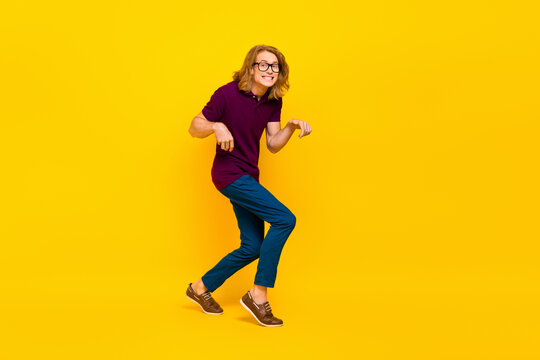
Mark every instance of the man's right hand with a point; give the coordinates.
(223, 136)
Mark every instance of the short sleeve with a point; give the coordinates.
(215, 108)
(276, 115)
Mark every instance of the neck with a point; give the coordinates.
(258, 89)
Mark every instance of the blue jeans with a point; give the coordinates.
(253, 205)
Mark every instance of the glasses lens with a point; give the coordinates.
(263, 66)
(275, 68)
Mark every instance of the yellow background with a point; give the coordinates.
(416, 194)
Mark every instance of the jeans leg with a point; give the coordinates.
(251, 195)
(251, 235)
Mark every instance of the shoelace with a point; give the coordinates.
(206, 296)
(268, 308)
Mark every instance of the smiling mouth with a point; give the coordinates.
(268, 77)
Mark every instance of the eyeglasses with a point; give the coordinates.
(264, 66)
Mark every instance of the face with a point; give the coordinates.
(266, 78)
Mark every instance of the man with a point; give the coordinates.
(237, 113)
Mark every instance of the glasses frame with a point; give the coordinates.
(267, 66)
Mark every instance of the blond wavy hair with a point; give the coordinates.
(245, 80)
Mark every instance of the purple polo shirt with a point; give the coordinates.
(246, 117)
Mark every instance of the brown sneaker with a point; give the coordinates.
(205, 301)
(261, 312)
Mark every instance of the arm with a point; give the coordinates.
(201, 127)
(277, 138)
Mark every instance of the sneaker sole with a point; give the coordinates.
(251, 312)
(204, 311)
